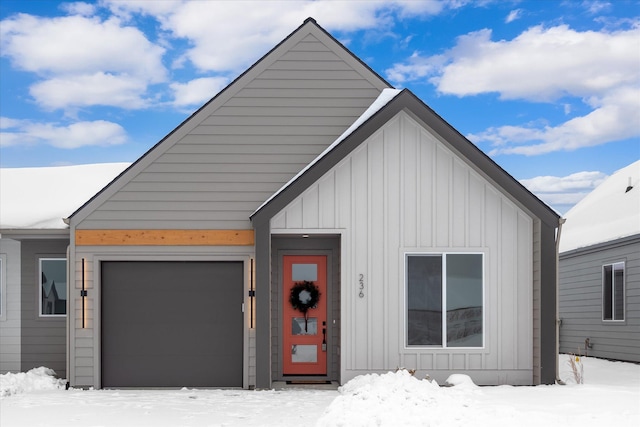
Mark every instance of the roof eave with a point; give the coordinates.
(407, 101)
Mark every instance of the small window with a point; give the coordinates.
(445, 299)
(613, 291)
(53, 286)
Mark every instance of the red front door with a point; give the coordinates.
(304, 336)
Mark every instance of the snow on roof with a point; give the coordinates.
(609, 212)
(383, 99)
(38, 198)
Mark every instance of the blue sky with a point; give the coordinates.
(549, 89)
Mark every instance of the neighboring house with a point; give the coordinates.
(600, 270)
(33, 260)
(310, 223)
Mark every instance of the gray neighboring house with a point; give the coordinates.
(599, 285)
(33, 260)
(310, 224)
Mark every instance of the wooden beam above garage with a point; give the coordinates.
(164, 238)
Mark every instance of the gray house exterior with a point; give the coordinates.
(599, 285)
(309, 169)
(34, 243)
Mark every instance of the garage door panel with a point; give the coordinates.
(172, 324)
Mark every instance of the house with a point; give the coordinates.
(310, 223)
(33, 259)
(599, 285)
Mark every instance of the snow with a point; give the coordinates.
(609, 396)
(38, 198)
(382, 100)
(607, 213)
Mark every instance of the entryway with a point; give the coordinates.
(307, 273)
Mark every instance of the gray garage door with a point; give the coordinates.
(172, 324)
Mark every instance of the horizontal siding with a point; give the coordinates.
(403, 191)
(43, 339)
(297, 102)
(581, 303)
(10, 300)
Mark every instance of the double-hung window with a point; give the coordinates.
(445, 299)
(53, 286)
(613, 291)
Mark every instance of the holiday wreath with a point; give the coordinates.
(303, 296)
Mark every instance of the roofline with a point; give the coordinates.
(307, 21)
(34, 233)
(410, 103)
(596, 247)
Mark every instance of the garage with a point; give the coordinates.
(172, 323)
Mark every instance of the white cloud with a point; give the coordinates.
(616, 119)
(553, 62)
(88, 90)
(564, 191)
(584, 181)
(75, 135)
(229, 36)
(197, 91)
(513, 15)
(79, 8)
(543, 65)
(78, 52)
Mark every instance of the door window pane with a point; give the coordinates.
(304, 353)
(298, 326)
(304, 272)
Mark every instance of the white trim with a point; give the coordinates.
(39, 291)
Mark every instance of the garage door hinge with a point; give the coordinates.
(252, 293)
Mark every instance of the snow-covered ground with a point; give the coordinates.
(610, 395)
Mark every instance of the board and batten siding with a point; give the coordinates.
(403, 191)
(580, 295)
(246, 143)
(10, 351)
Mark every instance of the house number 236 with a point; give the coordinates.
(361, 283)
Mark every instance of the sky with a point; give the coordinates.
(549, 89)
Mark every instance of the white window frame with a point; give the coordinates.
(443, 344)
(39, 293)
(613, 292)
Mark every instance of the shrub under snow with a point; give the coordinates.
(36, 379)
(394, 398)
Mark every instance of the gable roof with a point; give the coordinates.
(411, 104)
(309, 29)
(610, 212)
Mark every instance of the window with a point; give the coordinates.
(445, 300)
(53, 286)
(613, 291)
